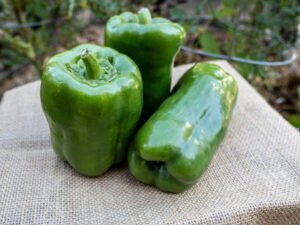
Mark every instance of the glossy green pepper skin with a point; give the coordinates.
(85, 95)
(174, 147)
(153, 44)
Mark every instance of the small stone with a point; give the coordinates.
(280, 100)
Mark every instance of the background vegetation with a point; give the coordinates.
(33, 30)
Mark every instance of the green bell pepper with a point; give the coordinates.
(153, 44)
(174, 147)
(85, 94)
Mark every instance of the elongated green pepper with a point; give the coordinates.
(92, 99)
(174, 147)
(153, 44)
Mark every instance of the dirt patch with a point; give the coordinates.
(282, 92)
(24, 75)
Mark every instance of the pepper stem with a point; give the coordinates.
(144, 16)
(93, 69)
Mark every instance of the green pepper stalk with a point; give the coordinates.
(93, 69)
(153, 44)
(144, 16)
(197, 114)
(84, 95)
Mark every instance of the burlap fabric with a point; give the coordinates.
(254, 177)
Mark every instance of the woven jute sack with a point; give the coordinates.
(254, 178)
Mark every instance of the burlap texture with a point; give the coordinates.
(254, 178)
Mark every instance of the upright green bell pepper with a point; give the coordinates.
(85, 95)
(174, 147)
(153, 44)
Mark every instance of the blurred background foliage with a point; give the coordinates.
(264, 29)
(33, 30)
